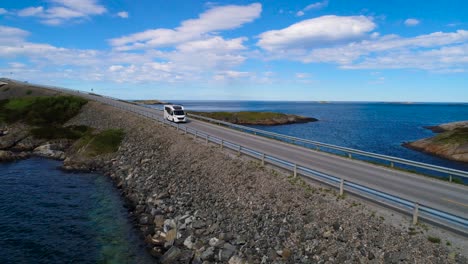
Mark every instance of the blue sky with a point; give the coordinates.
(332, 50)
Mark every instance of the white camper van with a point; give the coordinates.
(174, 113)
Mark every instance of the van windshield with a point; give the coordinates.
(178, 112)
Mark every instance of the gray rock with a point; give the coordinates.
(171, 255)
(189, 242)
(208, 254)
(227, 251)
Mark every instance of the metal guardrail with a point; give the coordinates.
(413, 208)
(392, 160)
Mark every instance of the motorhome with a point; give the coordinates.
(174, 113)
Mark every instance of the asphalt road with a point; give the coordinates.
(448, 197)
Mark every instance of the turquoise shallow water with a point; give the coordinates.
(50, 216)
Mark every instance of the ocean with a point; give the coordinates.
(51, 216)
(374, 127)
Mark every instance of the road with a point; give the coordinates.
(444, 196)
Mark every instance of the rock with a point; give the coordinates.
(169, 224)
(236, 260)
(159, 221)
(7, 156)
(198, 224)
(171, 236)
(171, 255)
(47, 150)
(327, 234)
(208, 254)
(189, 242)
(214, 242)
(227, 251)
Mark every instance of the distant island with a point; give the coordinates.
(451, 142)
(257, 118)
(149, 102)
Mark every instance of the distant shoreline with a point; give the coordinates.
(257, 118)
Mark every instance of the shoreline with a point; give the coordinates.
(196, 202)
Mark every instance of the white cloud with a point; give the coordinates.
(317, 32)
(318, 5)
(302, 75)
(31, 11)
(11, 35)
(3, 11)
(209, 22)
(412, 22)
(314, 6)
(122, 14)
(64, 10)
(230, 75)
(213, 44)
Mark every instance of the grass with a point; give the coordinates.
(41, 111)
(108, 141)
(456, 136)
(28, 92)
(6, 89)
(55, 132)
(247, 117)
(432, 239)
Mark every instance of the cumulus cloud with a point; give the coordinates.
(411, 22)
(314, 6)
(64, 10)
(317, 32)
(122, 14)
(208, 23)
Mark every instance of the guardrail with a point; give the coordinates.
(414, 208)
(348, 151)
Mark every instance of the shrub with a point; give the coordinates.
(6, 89)
(433, 239)
(28, 92)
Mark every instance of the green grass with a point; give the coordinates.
(108, 141)
(432, 239)
(56, 132)
(456, 136)
(245, 117)
(41, 111)
(28, 92)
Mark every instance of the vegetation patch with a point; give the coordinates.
(6, 89)
(41, 111)
(456, 136)
(256, 118)
(28, 92)
(432, 239)
(56, 132)
(107, 141)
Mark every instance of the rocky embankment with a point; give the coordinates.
(451, 142)
(195, 203)
(257, 118)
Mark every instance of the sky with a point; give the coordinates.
(326, 50)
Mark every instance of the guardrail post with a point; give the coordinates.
(450, 178)
(392, 165)
(415, 213)
(349, 156)
(185, 130)
(207, 136)
(239, 150)
(177, 126)
(295, 170)
(196, 134)
(222, 143)
(341, 187)
(263, 159)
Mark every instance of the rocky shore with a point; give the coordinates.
(451, 142)
(196, 203)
